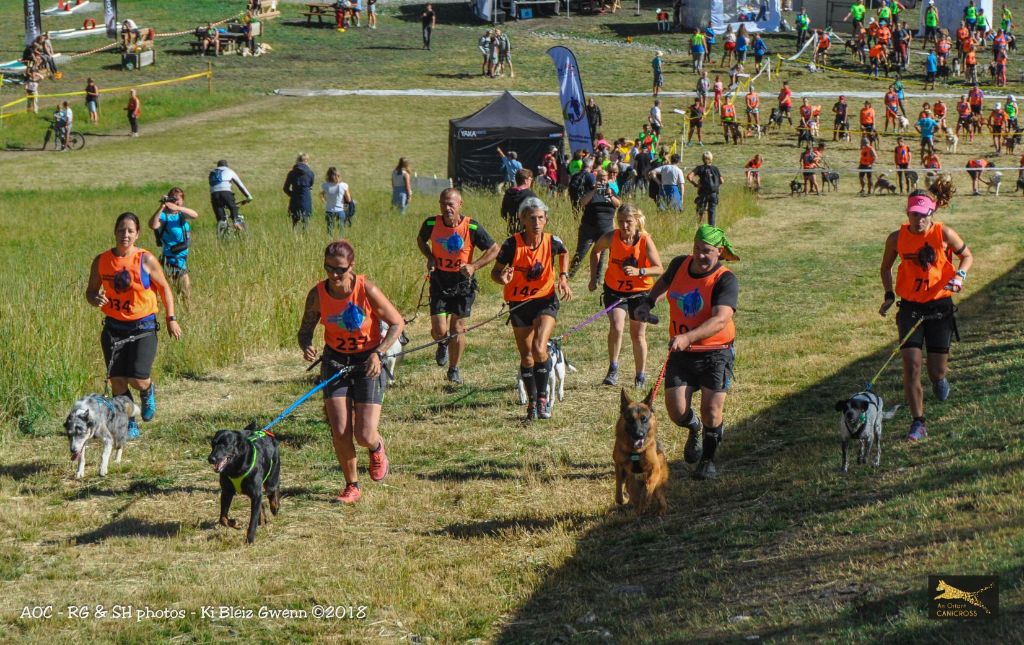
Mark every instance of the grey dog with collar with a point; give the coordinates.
(861, 420)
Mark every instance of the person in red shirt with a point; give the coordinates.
(964, 121)
(939, 112)
(867, 161)
(753, 167)
(809, 161)
(876, 57)
(974, 169)
(931, 161)
(786, 101)
(902, 156)
(753, 107)
(997, 124)
(925, 282)
(892, 107)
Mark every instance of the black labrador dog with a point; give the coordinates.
(249, 463)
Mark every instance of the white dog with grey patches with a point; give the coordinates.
(99, 416)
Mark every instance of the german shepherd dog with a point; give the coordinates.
(249, 463)
(640, 462)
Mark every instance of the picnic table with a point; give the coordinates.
(319, 10)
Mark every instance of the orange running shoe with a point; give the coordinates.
(350, 494)
(378, 463)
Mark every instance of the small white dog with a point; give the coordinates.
(995, 180)
(560, 366)
(98, 416)
(392, 356)
(902, 123)
(956, 67)
(861, 421)
(951, 140)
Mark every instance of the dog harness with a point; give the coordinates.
(634, 457)
(253, 438)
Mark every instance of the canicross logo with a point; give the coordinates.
(534, 272)
(925, 256)
(122, 281)
(453, 244)
(691, 303)
(351, 319)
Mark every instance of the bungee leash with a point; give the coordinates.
(595, 317)
(660, 379)
(115, 348)
(302, 399)
(447, 337)
(906, 337)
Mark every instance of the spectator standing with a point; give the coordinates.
(599, 206)
(31, 93)
(670, 178)
(656, 68)
(593, 118)
(92, 100)
(654, 118)
(371, 14)
(401, 185)
(428, 19)
(298, 185)
(510, 165)
(707, 179)
(134, 110)
(336, 202)
(514, 197)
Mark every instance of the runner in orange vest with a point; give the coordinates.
(964, 118)
(753, 107)
(939, 112)
(533, 268)
(925, 283)
(633, 265)
(892, 107)
(867, 160)
(753, 167)
(974, 169)
(447, 241)
(902, 157)
(997, 123)
(729, 124)
(703, 297)
(124, 283)
(867, 121)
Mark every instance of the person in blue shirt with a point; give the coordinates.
(931, 67)
(927, 126)
(171, 223)
(510, 165)
(659, 77)
(760, 49)
(709, 40)
(742, 39)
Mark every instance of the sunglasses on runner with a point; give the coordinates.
(336, 270)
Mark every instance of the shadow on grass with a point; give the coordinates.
(24, 470)
(129, 527)
(779, 533)
(495, 528)
(493, 470)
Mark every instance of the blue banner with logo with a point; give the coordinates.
(110, 17)
(570, 92)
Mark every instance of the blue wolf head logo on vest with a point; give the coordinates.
(453, 244)
(122, 281)
(351, 319)
(534, 272)
(690, 303)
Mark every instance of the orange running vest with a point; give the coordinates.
(451, 246)
(350, 325)
(127, 286)
(925, 265)
(623, 255)
(533, 275)
(690, 305)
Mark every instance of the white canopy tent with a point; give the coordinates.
(696, 14)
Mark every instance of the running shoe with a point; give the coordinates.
(543, 408)
(148, 402)
(349, 495)
(133, 429)
(612, 377)
(640, 380)
(531, 411)
(918, 431)
(378, 463)
(941, 389)
(441, 354)
(705, 470)
(453, 376)
(694, 448)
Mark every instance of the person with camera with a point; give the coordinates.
(298, 185)
(222, 197)
(514, 197)
(599, 206)
(172, 224)
(707, 180)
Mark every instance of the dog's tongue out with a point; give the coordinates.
(638, 444)
(220, 465)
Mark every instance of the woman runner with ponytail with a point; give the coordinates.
(633, 265)
(925, 283)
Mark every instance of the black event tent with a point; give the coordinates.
(474, 140)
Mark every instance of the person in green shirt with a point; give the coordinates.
(931, 25)
(971, 15)
(884, 15)
(982, 25)
(857, 11)
(803, 27)
(1011, 111)
(1007, 20)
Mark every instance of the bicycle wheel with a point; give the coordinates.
(76, 141)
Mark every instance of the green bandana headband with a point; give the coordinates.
(716, 237)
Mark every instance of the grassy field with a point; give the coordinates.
(487, 529)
